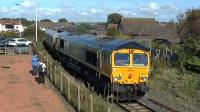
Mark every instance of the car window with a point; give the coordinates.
(22, 40)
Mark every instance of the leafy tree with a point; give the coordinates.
(188, 28)
(188, 24)
(62, 20)
(24, 21)
(114, 18)
(9, 34)
(45, 20)
(83, 28)
(29, 33)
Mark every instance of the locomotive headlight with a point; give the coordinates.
(145, 79)
(116, 79)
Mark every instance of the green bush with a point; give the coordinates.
(10, 34)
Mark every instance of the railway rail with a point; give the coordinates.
(149, 105)
(135, 107)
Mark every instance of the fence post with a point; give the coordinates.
(61, 81)
(51, 71)
(108, 109)
(79, 106)
(91, 103)
(68, 88)
(47, 67)
(5, 51)
(55, 79)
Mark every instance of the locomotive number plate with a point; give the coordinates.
(131, 51)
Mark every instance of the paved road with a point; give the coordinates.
(19, 92)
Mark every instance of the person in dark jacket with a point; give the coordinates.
(42, 71)
(34, 64)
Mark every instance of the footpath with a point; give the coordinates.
(20, 92)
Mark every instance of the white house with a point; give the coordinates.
(11, 25)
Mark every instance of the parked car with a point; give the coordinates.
(2, 39)
(4, 42)
(19, 41)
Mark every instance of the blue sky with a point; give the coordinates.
(95, 10)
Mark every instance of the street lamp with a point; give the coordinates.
(20, 34)
(36, 14)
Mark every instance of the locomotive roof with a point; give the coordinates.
(106, 44)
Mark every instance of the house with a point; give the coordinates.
(98, 30)
(135, 26)
(56, 26)
(11, 25)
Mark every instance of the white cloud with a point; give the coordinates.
(7, 10)
(155, 9)
(50, 11)
(27, 4)
(84, 13)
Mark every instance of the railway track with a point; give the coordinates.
(134, 107)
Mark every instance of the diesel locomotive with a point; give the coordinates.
(114, 66)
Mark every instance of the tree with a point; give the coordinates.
(83, 28)
(114, 18)
(29, 33)
(188, 28)
(45, 20)
(62, 20)
(9, 34)
(24, 21)
(188, 24)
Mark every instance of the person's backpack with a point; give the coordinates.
(40, 68)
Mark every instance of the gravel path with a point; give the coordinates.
(19, 92)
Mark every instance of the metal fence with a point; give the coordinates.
(15, 50)
(164, 54)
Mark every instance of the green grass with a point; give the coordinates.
(165, 77)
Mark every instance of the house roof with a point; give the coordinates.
(98, 27)
(146, 27)
(134, 26)
(111, 26)
(10, 22)
(54, 24)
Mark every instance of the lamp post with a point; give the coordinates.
(20, 33)
(36, 25)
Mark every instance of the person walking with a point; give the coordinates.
(34, 64)
(42, 71)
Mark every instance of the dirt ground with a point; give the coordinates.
(19, 92)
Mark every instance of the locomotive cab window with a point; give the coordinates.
(122, 59)
(61, 43)
(140, 59)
